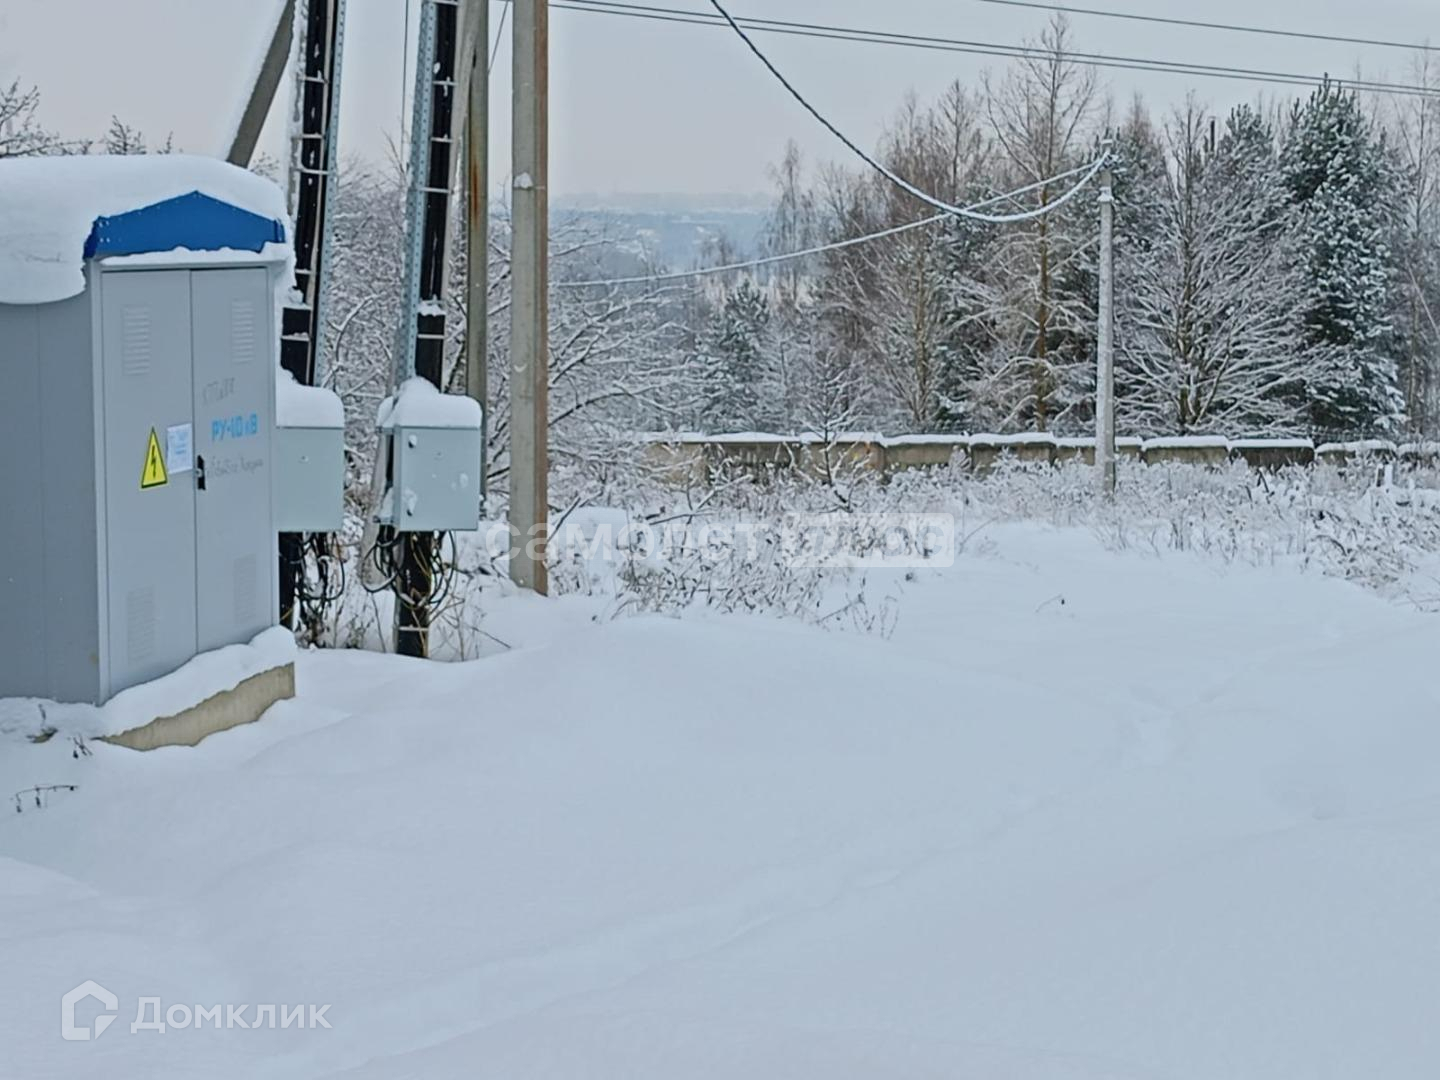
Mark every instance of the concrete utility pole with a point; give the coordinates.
(529, 317)
(1105, 376)
(262, 95)
(477, 238)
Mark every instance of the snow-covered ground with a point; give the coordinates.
(1084, 815)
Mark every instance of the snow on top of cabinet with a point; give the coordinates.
(57, 211)
(298, 406)
(420, 405)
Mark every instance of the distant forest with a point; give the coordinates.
(1277, 272)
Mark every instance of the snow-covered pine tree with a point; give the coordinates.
(829, 390)
(1137, 155)
(975, 392)
(1336, 168)
(733, 360)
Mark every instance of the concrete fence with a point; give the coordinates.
(696, 458)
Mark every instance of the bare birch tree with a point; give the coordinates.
(1040, 111)
(1414, 125)
(21, 133)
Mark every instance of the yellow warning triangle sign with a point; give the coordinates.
(154, 474)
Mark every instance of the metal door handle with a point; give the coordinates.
(200, 472)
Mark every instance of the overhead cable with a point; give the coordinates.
(1199, 25)
(895, 178)
(499, 36)
(769, 260)
(983, 48)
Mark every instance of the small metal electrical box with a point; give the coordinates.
(309, 458)
(435, 460)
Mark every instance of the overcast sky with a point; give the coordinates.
(641, 106)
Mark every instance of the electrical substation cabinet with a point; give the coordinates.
(137, 356)
(435, 460)
(309, 458)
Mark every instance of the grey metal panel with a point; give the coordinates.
(235, 537)
(309, 479)
(150, 560)
(69, 522)
(437, 479)
(22, 591)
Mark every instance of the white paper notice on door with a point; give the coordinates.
(180, 448)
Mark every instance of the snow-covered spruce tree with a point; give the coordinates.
(732, 360)
(1208, 298)
(1337, 170)
(976, 379)
(830, 395)
(967, 396)
(1137, 155)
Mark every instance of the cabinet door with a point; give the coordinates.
(234, 386)
(150, 512)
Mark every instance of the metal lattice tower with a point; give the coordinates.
(420, 343)
(315, 126)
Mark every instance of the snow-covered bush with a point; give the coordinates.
(1335, 519)
(631, 544)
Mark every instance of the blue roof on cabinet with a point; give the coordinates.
(194, 221)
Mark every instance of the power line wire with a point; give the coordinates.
(770, 260)
(499, 36)
(1198, 24)
(982, 48)
(750, 264)
(894, 177)
(886, 37)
